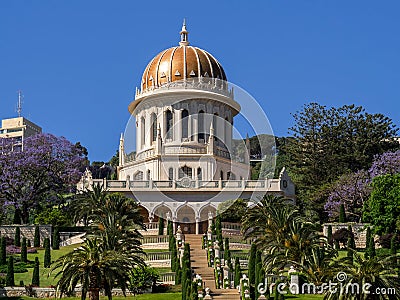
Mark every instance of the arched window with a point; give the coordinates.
(148, 175)
(221, 175)
(185, 171)
(199, 174)
(153, 127)
(168, 124)
(185, 124)
(200, 127)
(139, 175)
(170, 174)
(142, 131)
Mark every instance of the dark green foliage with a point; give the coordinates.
(3, 251)
(29, 244)
(328, 142)
(186, 276)
(36, 239)
(329, 237)
(56, 239)
(35, 274)
(47, 253)
(21, 283)
(24, 253)
(238, 272)
(218, 232)
(178, 274)
(194, 295)
(160, 226)
(342, 214)
(393, 245)
(170, 228)
(252, 264)
(17, 216)
(382, 209)
(10, 272)
(367, 237)
(227, 255)
(337, 245)
(174, 254)
(370, 252)
(17, 238)
(350, 249)
(258, 271)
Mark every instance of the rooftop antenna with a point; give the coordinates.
(19, 105)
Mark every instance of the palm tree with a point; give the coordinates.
(85, 204)
(117, 222)
(94, 267)
(280, 232)
(378, 272)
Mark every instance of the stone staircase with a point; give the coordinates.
(198, 258)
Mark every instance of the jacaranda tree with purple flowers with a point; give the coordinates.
(47, 166)
(353, 190)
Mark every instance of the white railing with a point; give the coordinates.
(167, 278)
(155, 256)
(272, 185)
(155, 239)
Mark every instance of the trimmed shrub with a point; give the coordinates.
(329, 237)
(3, 251)
(17, 238)
(160, 226)
(10, 272)
(36, 239)
(238, 272)
(342, 214)
(56, 239)
(35, 274)
(24, 251)
(47, 254)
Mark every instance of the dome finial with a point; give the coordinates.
(184, 35)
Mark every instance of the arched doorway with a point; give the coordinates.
(186, 218)
(144, 213)
(162, 211)
(205, 210)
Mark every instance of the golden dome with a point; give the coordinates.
(180, 63)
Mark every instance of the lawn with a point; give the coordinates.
(45, 281)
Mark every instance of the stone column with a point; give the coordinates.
(197, 225)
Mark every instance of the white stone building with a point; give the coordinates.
(183, 168)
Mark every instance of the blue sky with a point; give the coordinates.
(78, 62)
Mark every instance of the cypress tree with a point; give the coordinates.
(47, 254)
(238, 272)
(35, 275)
(10, 272)
(3, 251)
(342, 214)
(24, 251)
(337, 245)
(195, 291)
(178, 274)
(329, 237)
(160, 226)
(367, 239)
(36, 239)
(218, 231)
(17, 216)
(393, 248)
(29, 244)
(371, 248)
(227, 255)
(349, 248)
(174, 255)
(170, 229)
(56, 239)
(17, 238)
(258, 268)
(252, 264)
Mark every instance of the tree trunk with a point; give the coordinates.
(94, 294)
